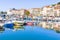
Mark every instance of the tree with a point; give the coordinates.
(53, 4)
(2, 12)
(13, 9)
(27, 13)
(58, 3)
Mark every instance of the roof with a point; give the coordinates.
(57, 7)
(48, 6)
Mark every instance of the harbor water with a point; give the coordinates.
(30, 33)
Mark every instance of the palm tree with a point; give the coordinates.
(27, 13)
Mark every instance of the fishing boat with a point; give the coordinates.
(18, 25)
(30, 23)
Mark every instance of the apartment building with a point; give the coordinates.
(56, 10)
(47, 11)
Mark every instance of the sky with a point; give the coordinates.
(18, 4)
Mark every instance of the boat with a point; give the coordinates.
(18, 25)
(30, 23)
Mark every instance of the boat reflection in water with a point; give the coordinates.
(14, 25)
(18, 24)
(2, 29)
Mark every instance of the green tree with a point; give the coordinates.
(53, 4)
(13, 9)
(27, 13)
(2, 12)
(58, 3)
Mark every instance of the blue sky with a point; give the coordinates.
(7, 4)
